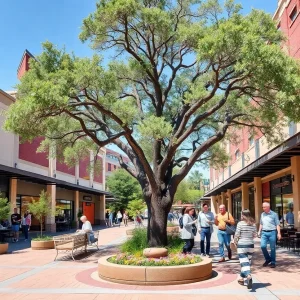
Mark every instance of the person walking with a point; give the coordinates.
(205, 222)
(125, 218)
(187, 231)
(107, 218)
(15, 224)
(119, 218)
(221, 220)
(111, 219)
(26, 222)
(269, 229)
(244, 239)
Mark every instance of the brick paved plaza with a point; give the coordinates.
(28, 274)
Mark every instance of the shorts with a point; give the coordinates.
(15, 228)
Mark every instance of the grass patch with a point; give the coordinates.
(138, 242)
(42, 238)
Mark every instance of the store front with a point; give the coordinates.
(281, 200)
(4, 186)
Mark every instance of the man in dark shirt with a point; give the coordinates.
(15, 224)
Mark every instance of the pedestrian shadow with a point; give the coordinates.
(259, 285)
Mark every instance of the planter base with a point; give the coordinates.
(3, 248)
(142, 275)
(42, 245)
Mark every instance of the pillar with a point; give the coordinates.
(76, 207)
(257, 198)
(229, 208)
(50, 225)
(223, 198)
(245, 196)
(214, 205)
(102, 209)
(13, 193)
(295, 164)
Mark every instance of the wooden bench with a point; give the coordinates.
(70, 242)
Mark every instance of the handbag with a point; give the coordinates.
(194, 230)
(230, 229)
(233, 246)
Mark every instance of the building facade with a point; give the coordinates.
(256, 173)
(24, 173)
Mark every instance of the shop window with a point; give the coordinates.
(251, 201)
(237, 205)
(282, 201)
(293, 14)
(64, 211)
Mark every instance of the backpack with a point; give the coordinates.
(180, 221)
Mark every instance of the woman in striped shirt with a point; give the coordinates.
(244, 238)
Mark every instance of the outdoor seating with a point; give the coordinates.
(70, 243)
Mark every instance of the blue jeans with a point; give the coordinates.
(205, 234)
(269, 238)
(25, 231)
(224, 239)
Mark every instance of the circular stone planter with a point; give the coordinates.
(142, 275)
(42, 245)
(3, 248)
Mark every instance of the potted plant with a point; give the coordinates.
(40, 209)
(4, 213)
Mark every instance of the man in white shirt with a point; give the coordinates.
(205, 221)
(87, 228)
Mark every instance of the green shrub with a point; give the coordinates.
(138, 242)
(43, 238)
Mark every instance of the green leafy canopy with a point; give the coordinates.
(183, 76)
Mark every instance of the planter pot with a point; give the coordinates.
(3, 248)
(173, 229)
(42, 245)
(142, 275)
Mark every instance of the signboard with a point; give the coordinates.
(87, 198)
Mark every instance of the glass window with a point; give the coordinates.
(251, 140)
(24, 201)
(237, 154)
(64, 211)
(109, 167)
(237, 205)
(293, 14)
(251, 201)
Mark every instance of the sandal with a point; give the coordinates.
(241, 281)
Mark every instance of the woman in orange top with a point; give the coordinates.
(221, 220)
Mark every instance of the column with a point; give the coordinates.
(214, 205)
(76, 207)
(257, 198)
(102, 209)
(229, 208)
(245, 196)
(50, 225)
(223, 198)
(295, 164)
(13, 193)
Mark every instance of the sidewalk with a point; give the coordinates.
(28, 274)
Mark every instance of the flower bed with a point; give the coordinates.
(171, 260)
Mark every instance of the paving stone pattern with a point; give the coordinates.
(28, 274)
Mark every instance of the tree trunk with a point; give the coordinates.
(157, 221)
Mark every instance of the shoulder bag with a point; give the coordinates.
(230, 229)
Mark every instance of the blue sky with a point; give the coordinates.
(26, 24)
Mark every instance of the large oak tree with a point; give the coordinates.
(181, 76)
